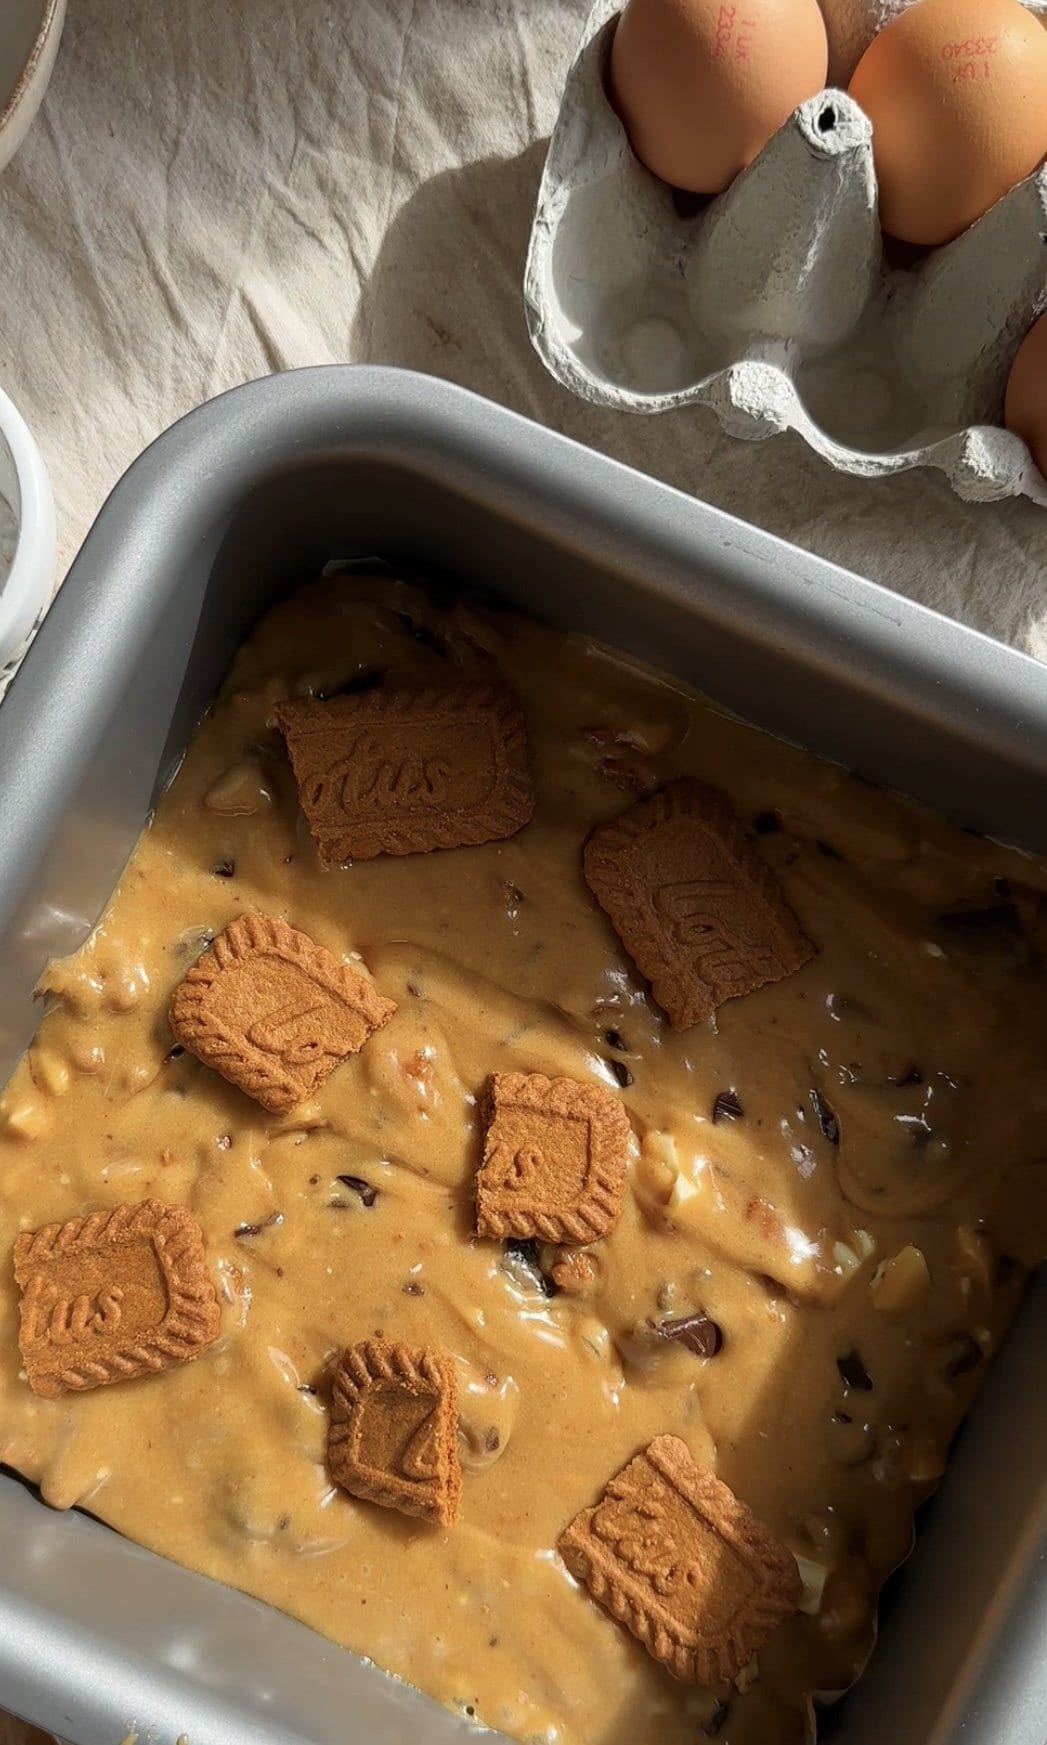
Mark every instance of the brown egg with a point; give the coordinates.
(701, 85)
(1025, 406)
(956, 91)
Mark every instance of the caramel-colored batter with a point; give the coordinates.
(858, 1231)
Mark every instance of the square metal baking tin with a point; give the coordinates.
(238, 503)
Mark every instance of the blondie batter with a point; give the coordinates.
(834, 1186)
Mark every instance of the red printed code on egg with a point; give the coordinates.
(975, 48)
(732, 33)
(724, 31)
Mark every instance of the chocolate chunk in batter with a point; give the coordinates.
(621, 1072)
(698, 1332)
(827, 1119)
(225, 869)
(243, 1230)
(965, 1354)
(523, 1258)
(766, 823)
(357, 1185)
(853, 1372)
(727, 1107)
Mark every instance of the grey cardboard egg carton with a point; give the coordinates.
(777, 303)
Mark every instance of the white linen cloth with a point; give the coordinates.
(225, 187)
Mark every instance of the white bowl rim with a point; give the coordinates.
(25, 77)
(27, 587)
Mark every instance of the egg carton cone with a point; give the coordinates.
(777, 303)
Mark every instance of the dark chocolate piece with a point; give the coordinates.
(243, 1230)
(522, 1256)
(966, 1354)
(727, 1107)
(853, 1372)
(827, 1119)
(357, 1185)
(698, 1332)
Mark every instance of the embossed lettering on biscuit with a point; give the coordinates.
(671, 1552)
(554, 1159)
(274, 1012)
(403, 772)
(113, 1296)
(393, 1437)
(698, 910)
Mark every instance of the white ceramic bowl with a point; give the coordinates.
(24, 485)
(30, 31)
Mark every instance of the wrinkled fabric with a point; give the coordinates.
(213, 192)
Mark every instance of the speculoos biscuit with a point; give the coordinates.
(672, 1553)
(405, 772)
(554, 1159)
(274, 1012)
(698, 910)
(393, 1437)
(112, 1296)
